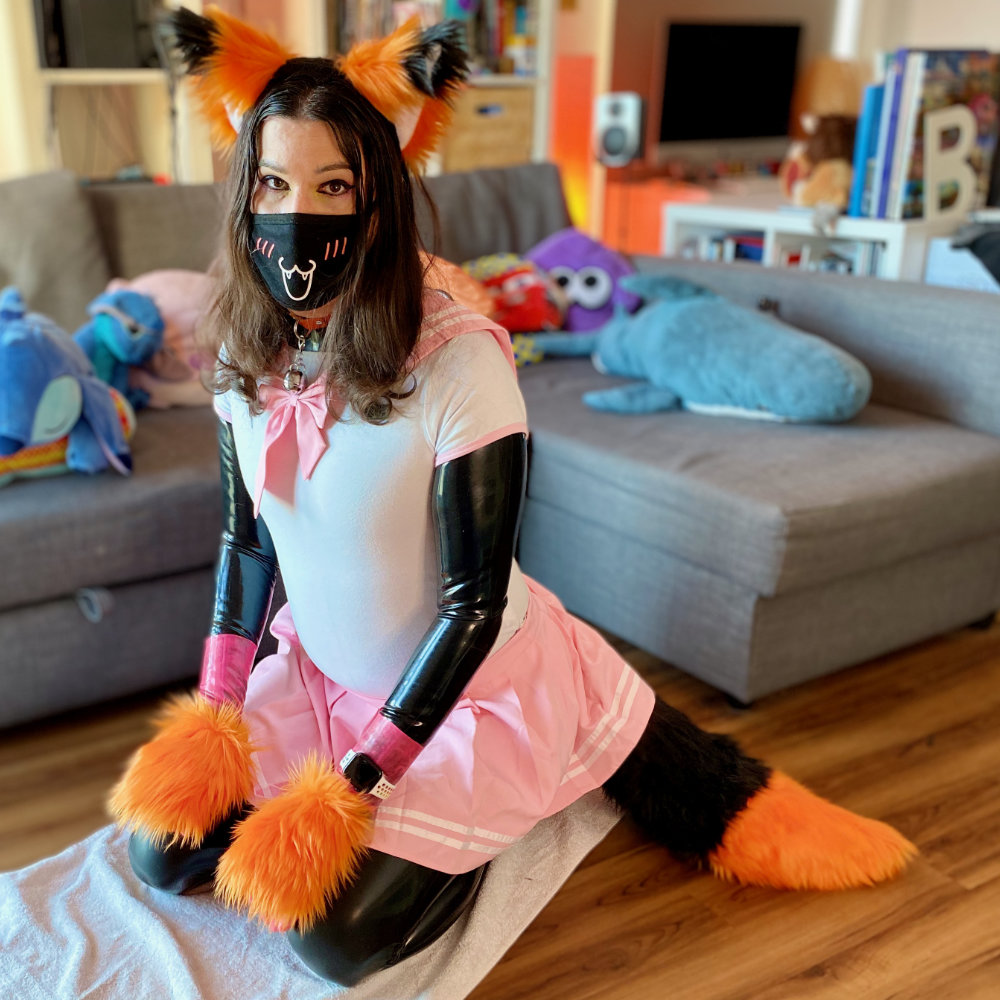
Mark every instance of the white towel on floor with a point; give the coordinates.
(80, 925)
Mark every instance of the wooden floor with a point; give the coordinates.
(913, 739)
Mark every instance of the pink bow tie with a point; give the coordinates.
(307, 411)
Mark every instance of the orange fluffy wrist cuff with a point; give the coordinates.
(190, 776)
(294, 853)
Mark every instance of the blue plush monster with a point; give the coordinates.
(690, 349)
(48, 390)
(125, 329)
(589, 273)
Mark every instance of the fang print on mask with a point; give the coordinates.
(308, 275)
(303, 257)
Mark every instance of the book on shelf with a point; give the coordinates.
(865, 148)
(909, 91)
(832, 256)
(725, 247)
(502, 33)
(887, 134)
(743, 246)
(788, 257)
(946, 78)
(889, 168)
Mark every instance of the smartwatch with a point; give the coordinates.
(365, 775)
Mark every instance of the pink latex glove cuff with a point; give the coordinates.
(225, 668)
(388, 746)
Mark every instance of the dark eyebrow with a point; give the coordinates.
(271, 165)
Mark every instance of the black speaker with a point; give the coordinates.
(619, 121)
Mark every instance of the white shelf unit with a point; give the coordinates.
(897, 250)
(100, 77)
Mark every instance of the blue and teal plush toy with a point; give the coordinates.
(55, 414)
(125, 329)
(691, 349)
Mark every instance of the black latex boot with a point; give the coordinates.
(393, 910)
(177, 869)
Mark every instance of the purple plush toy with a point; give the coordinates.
(588, 272)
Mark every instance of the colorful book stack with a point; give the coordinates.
(889, 149)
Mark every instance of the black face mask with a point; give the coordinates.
(302, 257)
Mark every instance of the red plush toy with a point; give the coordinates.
(525, 298)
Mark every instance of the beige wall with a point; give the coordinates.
(299, 24)
(22, 110)
(891, 24)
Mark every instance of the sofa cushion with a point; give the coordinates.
(51, 248)
(72, 531)
(148, 227)
(507, 209)
(775, 507)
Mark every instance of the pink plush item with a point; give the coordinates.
(225, 668)
(388, 746)
(172, 375)
(462, 287)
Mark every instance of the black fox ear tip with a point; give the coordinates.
(194, 36)
(436, 68)
(444, 32)
(444, 56)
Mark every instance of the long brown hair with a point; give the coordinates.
(376, 320)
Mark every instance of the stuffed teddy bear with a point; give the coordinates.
(687, 348)
(55, 414)
(817, 170)
(125, 329)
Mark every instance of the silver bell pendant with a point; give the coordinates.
(295, 378)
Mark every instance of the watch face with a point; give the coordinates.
(362, 772)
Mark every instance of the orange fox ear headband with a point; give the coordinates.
(411, 76)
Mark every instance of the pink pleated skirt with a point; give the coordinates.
(548, 717)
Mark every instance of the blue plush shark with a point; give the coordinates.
(691, 349)
(48, 390)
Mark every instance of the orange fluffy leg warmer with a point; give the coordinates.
(190, 776)
(789, 838)
(296, 851)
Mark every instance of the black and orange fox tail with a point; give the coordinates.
(700, 796)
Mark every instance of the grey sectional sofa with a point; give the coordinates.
(754, 556)
(758, 555)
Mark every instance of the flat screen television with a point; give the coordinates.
(727, 81)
